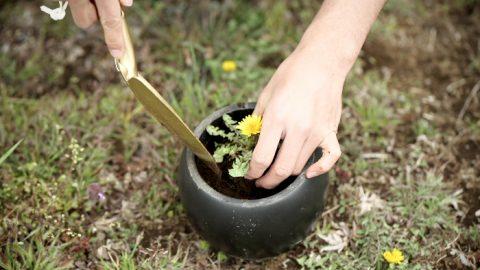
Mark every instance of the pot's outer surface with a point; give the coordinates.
(250, 228)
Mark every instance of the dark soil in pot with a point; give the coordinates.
(235, 187)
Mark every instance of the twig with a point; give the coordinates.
(451, 243)
(448, 247)
(375, 156)
(456, 84)
(441, 258)
(469, 99)
(330, 210)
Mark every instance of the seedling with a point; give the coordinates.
(240, 142)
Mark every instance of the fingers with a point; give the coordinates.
(83, 12)
(111, 20)
(331, 153)
(285, 162)
(127, 3)
(307, 150)
(264, 150)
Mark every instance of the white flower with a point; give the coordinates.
(369, 201)
(58, 13)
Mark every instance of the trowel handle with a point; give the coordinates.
(127, 64)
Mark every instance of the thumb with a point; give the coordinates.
(331, 153)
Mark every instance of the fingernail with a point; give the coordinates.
(116, 53)
(128, 3)
(312, 174)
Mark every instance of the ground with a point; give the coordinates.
(91, 184)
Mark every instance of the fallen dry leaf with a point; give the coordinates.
(337, 240)
(369, 201)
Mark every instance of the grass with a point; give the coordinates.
(9, 152)
(68, 125)
(36, 251)
(416, 218)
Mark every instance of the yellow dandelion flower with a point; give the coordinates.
(250, 125)
(229, 66)
(394, 256)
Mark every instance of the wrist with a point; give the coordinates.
(330, 51)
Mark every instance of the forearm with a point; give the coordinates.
(338, 31)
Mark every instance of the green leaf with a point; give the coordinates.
(215, 131)
(239, 167)
(9, 152)
(203, 245)
(221, 257)
(222, 151)
(229, 122)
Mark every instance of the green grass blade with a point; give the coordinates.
(9, 152)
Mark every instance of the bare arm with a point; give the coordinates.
(341, 27)
(301, 104)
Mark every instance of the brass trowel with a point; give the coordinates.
(156, 105)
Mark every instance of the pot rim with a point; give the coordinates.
(201, 184)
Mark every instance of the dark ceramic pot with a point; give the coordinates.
(249, 228)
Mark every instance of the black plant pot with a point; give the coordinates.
(249, 228)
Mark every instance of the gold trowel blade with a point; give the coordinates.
(156, 105)
(164, 113)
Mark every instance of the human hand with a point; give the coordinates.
(301, 104)
(85, 14)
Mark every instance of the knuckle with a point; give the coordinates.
(263, 96)
(278, 114)
(322, 168)
(297, 171)
(114, 42)
(112, 23)
(303, 127)
(336, 153)
(269, 185)
(83, 23)
(277, 118)
(316, 137)
(282, 172)
(114, 45)
(260, 162)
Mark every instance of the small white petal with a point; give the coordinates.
(58, 13)
(46, 10)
